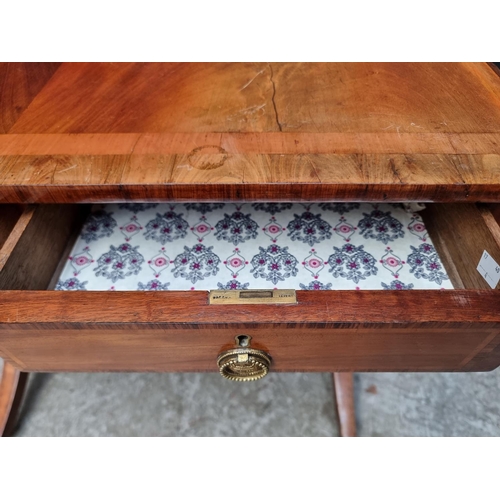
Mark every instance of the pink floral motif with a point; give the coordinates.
(392, 263)
(235, 263)
(131, 228)
(417, 228)
(81, 260)
(344, 229)
(313, 263)
(202, 229)
(273, 229)
(159, 262)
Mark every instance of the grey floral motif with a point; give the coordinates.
(274, 264)
(397, 285)
(424, 263)
(233, 285)
(272, 208)
(309, 228)
(204, 208)
(196, 263)
(166, 228)
(153, 285)
(137, 207)
(119, 262)
(99, 224)
(380, 226)
(316, 285)
(352, 263)
(339, 208)
(71, 284)
(236, 228)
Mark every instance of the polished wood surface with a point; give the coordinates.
(343, 384)
(179, 331)
(190, 309)
(20, 83)
(290, 131)
(461, 232)
(12, 385)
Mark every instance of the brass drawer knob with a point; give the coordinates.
(243, 363)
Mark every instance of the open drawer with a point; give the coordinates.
(42, 329)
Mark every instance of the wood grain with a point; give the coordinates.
(34, 248)
(269, 143)
(15, 219)
(163, 178)
(262, 97)
(20, 83)
(461, 233)
(9, 215)
(491, 217)
(291, 132)
(495, 211)
(344, 398)
(190, 309)
(179, 331)
(12, 385)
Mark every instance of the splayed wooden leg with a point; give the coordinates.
(344, 396)
(12, 385)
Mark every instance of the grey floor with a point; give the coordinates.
(131, 404)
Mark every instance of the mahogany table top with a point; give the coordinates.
(80, 132)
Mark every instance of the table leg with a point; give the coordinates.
(344, 396)
(12, 385)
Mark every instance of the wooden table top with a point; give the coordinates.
(79, 132)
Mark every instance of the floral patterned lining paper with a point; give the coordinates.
(205, 246)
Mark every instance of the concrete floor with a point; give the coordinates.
(131, 404)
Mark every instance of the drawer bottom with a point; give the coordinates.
(204, 246)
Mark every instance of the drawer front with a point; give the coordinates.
(180, 331)
(389, 330)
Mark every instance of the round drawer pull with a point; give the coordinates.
(243, 363)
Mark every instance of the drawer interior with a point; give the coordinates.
(214, 246)
(204, 246)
